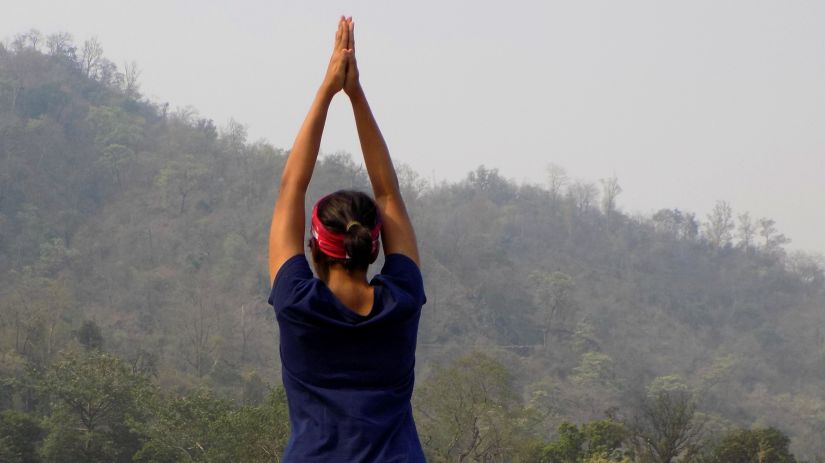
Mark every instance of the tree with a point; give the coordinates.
(466, 411)
(772, 239)
(600, 440)
(19, 436)
(567, 447)
(746, 230)
(96, 397)
(669, 221)
(182, 428)
(809, 268)
(117, 134)
(234, 136)
(179, 178)
(665, 426)
(610, 190)
(90, 336)
(61, 44)
(595, 369)
(768, 445)
(254, 434)
(584, 194)
(200, 427)
(34, 309)
(719, 226)
(91, 56)
(30, 39)
(596, 383)
(131, 74)
(199, 334)
(491, 183)
(556, 179)
(554, 297)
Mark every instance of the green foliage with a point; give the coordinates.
(468, 410)
(767, 445)
(605, 436)
(567, 447)
(95, 396)
(89, 335)
(601, 440)
(201, 427)
(666, 426)
(602, 458)
(595, 368)
(19, 437)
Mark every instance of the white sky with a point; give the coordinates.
(687, 102)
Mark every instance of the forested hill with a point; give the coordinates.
(138, 230)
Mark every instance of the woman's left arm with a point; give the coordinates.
(286, 233)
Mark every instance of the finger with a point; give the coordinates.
(337, 37)
(351, 44)
(345, 34)
(339, 34)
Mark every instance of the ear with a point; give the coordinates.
(314, 250)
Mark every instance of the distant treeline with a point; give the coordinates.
(91, 406)
(133, 279)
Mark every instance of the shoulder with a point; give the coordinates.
(293, 274)
(403, 273)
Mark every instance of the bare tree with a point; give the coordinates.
(199, 334)
(719, 226)
(131, 74)
(248, 325)
(584, 194)
(610, 190)
(234, 134)
(746, 231)
(29, 39)
(90, 57)
(556, 179)
(60, 44)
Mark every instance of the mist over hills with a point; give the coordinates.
(140, 230)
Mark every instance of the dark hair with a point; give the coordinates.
(354, 214)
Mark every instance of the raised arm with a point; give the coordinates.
(286, 233)
(398, 235)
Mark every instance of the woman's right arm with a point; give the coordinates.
(398, 235)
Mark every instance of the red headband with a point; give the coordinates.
(332, 243)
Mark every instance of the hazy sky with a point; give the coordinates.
(687, 102)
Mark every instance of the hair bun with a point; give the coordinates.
(358, 243)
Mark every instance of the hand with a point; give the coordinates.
(337, 68)
(351, 82)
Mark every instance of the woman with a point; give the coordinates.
(347, 344)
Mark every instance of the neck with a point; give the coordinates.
(339, 277)
(351, 288)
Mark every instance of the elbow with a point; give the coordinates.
(291, 184)
(385, 196)
(387, 190)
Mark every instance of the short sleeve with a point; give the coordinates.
(404, 273)
(292, 273)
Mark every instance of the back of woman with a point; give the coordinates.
(347, 344)
(349, 377)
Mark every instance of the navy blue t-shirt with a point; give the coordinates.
(349, 378)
